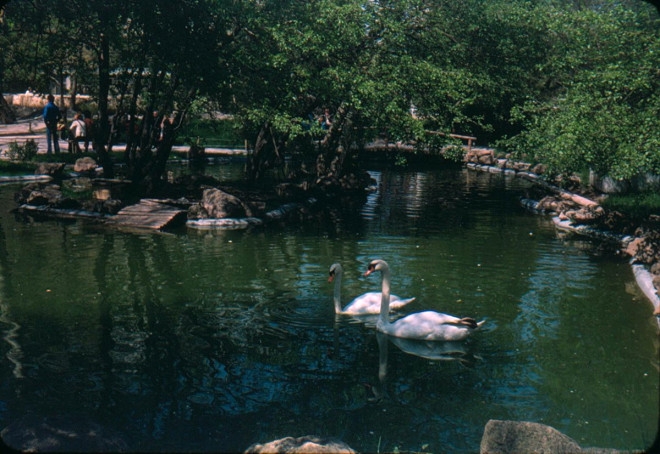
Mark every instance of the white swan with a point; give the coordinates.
(427, 325)
(366, 304)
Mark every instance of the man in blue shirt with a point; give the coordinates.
(51, 116)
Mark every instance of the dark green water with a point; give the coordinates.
(214, 340)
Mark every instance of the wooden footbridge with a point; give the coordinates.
(150, 214)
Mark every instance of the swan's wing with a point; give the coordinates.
(430, 325)
(369, 303)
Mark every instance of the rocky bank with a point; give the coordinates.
(582, 213)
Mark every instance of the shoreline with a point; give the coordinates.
(642, 272)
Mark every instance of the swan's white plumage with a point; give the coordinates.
(365, 304)
(427, 325)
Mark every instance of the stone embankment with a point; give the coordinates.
(585, 216)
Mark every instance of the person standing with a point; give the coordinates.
(78, 134)
(89, 127)
(52, 116)
(325, 120)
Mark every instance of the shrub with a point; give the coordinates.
(25, 152)
(638, 206)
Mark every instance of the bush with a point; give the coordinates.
(637, 206)
(25, 152)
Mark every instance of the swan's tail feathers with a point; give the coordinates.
(398, 303)
(403, 301)
(470, 322)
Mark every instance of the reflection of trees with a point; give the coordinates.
(15, 352)
(406, 201)
(229, 348)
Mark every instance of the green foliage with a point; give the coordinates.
(25, 152)
(574, 84)
(454, 153)
(212, 133)
(637, 206)
(605, 112)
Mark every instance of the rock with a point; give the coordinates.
(645, 249)
(520, 166)
(656, 283)
(634, 246)
(518, 437)
(217, 204)
(655, 268)
(84, 165)
(49, 195)
(53, 169)
(78, 185)
(486, 157)
(308, 444)
(22, 194)
(196, 211)
(586, 215)
(549, 204)
(539, 169)
(108, 206)
(61, 434)
(472, 157)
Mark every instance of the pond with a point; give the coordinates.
(213, 340)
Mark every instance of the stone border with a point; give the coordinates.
(244, 223)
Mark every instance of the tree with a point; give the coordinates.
(6, 114)
(400, 68)
(605, 112)
(147, 56)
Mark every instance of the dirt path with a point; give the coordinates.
(35, 129)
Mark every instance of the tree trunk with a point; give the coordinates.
(6, 113)
(257, 160)
(103, 129)
(331, 159)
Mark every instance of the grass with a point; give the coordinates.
(15, 167)
(637, 206)
(212, 133)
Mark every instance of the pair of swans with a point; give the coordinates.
(426, 325)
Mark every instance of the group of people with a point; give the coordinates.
(79, 131)
(324, 120)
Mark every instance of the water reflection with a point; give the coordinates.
(210, 341)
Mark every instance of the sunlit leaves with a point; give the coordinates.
(605, 114)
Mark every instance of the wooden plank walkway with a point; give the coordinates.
(149, 214)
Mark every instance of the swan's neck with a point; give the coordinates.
(385, 298)
(337, 294)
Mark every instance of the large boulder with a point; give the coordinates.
(309, 444)
(48, 195)
(503, 437)
(217, 204)
(53, 169)
(514, 437)
(85, 165)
